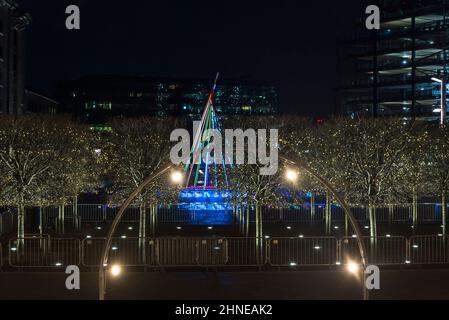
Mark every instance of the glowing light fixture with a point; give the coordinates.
(352, 267)
(116, 270)
(291, 175)
(177, 177)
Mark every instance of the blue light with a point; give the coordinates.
(206, 206)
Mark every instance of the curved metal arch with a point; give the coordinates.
(148, 180)
(113, 228)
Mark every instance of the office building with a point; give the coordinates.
(395, 71)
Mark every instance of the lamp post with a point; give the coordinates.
(442, 110)
(177, 177)
(292, 175)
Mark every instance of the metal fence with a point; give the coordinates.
(380, 250)
(124, 251)
(44, 251)
(428, 250)
(7, 222)
(244, 252)
(302, 251)
(176, 252)
(427, 213)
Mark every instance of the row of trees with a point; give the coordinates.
(375, 162)
(50, 160)
(43, 161)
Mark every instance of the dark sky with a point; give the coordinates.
(289, 43)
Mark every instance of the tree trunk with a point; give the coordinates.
(259, 234)
(390, 213)
(76, 219)
(61, 219)
(41, 230)
(20, 229)
(235, 211)
(41, 222)
(242, 217)
(328, 213)
(153, 219)
(142, 230)
(443, 212)
(346, 225)
(312, 208)
(247, 217)
(415, 210)
(372, 225)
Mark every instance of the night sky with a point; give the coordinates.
(289, 43)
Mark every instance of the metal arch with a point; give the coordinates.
(348, 212)
(113, 228)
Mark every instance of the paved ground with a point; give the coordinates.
(395, 284)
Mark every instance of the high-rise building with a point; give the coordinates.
(12, 55)
(96, 99)
(390, 71)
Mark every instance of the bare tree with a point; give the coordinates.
(32, 149)
(135, 149)
(412, 168)
(439, 167)
(369, 150)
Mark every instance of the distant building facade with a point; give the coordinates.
(389, 72)
(96, 99)
(12, 58)
(39, 103)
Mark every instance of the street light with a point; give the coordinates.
(352, 267)
(346, 209)
(442, 109)
(116, 270)
(177, 177)
(114, 225)
(291, 175)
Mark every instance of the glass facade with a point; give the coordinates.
(390, 71)
(98, 98)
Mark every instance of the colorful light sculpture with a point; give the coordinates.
(201, 198)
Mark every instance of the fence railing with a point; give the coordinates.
(97, 213)
(45, 251)
(7, 222)
(380, 250)
(428, 250)
(302, 251)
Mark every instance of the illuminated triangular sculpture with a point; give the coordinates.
(202, 196)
